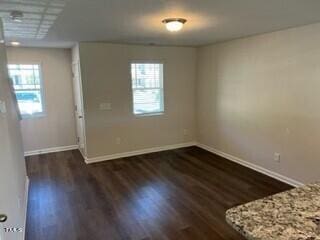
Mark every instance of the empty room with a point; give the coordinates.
(159, 120)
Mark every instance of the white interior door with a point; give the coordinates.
(77, 88)
(12, 164)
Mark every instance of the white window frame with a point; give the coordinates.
(162, 102)
(42, 92)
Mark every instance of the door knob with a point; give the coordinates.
(80, 117)
(3, 218)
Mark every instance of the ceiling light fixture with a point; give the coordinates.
(15, 43)
(174, 24)
(16, 16)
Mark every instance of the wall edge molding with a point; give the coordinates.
(138, 152)
(255, 167)
(50, 150)
(26, 195)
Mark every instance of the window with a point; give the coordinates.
(147, 88)
(26, 81)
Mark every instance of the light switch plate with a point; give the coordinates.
(3, 108)
(105, 106)
(276, 157)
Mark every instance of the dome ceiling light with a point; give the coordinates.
(174, 24)
(15, 43)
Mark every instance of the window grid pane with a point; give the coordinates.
(147, 84)
(27, 85)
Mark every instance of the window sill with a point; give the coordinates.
(149, 114)
(32, 116)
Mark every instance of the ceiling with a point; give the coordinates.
(60, 23)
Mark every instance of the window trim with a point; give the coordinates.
(42, 87)
(160, 113)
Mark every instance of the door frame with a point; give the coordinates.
(79, 83)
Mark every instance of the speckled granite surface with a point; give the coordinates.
(291, 215)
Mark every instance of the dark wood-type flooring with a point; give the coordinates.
(177, 194)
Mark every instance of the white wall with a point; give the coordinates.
(260, 95)
(254, 97)
(57, 127)
(12, 164)
(105, 73)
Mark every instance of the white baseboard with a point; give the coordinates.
(50, 150)
(242, 162)
(26, 194)
(257, 168)
(83, 154)
(138, 152)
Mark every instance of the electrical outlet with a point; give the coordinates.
(3, 108)
(276, 157)
(288, 131)
(185, 132)
(118, 140)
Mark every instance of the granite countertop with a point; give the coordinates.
(291, 215)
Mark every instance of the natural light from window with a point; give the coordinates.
(26, 81)
(147, 87)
